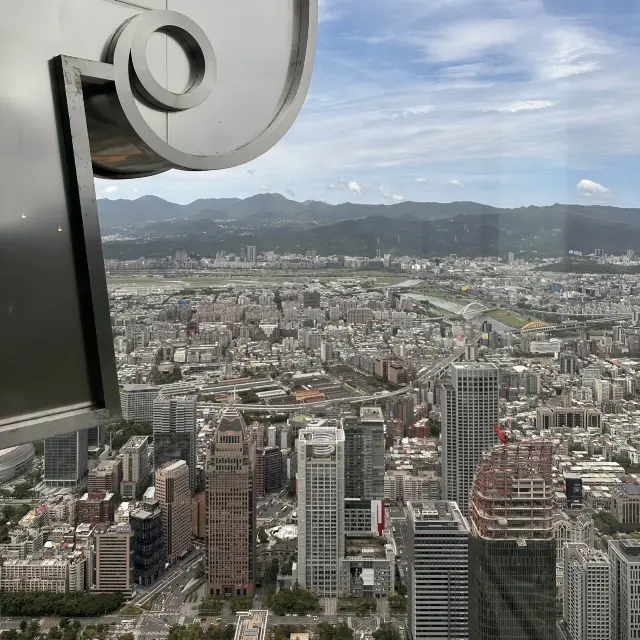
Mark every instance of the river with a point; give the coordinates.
(456, 307)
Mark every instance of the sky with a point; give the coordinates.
(505, 102)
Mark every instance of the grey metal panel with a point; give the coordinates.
(143, 115)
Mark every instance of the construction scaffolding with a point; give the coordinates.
(512, 493)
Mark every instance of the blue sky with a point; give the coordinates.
(505, 102)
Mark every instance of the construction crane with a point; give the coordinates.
(502, 436)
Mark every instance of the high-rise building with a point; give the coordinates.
(175, 433)
(96, 507)
(512, 551)
(437, 548)
(149, 551)
(231, 509)
(326, 351)
(113, 554)
(321, 530)
(137, 402)
(624, 587)
(66, 459)
(135, 466)
(174, 496)
(251, 253)
(586, 593)
(470, 409)
(106, 476)
(364, 454)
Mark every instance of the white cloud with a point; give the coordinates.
(591, 189)
(387, 195)
(455, 183)
(136, 190)
(523, 105)
(290, 192)
(355, 186)
(411, 111)
(465, 40)
(420, 180)
(109, 190)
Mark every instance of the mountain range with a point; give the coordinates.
(156, 228)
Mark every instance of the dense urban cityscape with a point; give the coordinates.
(387, 448)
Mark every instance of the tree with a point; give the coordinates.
(291, 487)
(329, 631)
(211, 606)
(240, 603)
(297, 601)
(386, 632)
(126, 636)
(263, 536)
(434, 428)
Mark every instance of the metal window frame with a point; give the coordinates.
(72, 75)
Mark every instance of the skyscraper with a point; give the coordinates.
(321, 496)
(231, 509)
(437, 548)
(512, 551)
(149, 550)
(114, 544)
(469, 405)
(174, 496)
(251, 253)
(586, 592)
(66, 459)
(175, 433)
(364, 454)
(135, 466)
(624, 586)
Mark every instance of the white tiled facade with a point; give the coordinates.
(586, 592)
(320, 508)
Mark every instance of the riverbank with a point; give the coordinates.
(509, 318)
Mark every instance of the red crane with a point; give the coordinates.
(502, 436)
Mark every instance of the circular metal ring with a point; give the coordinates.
(199, 51)
(119, 54)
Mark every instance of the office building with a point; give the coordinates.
(96, 507)
(113, 555)
(364, 454)
(469, 406)
(269, 476)
(136, 401)
(149, 551)
(625, 503)
(624, 587)
(59, 574)
(136, 470)
(231, 509)
(66, 459)
(586, 593)
(437, 551)
(326, 351)
(251, 254)
(321, 532)
(571, 527)
(175, 433)
(174, 496)
(512, 552)
(106, 476)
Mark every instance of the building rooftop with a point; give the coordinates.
(134, 442)
(371, 414)
(139, 387)
(436, 512)
(366, 546)
(252, 625)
